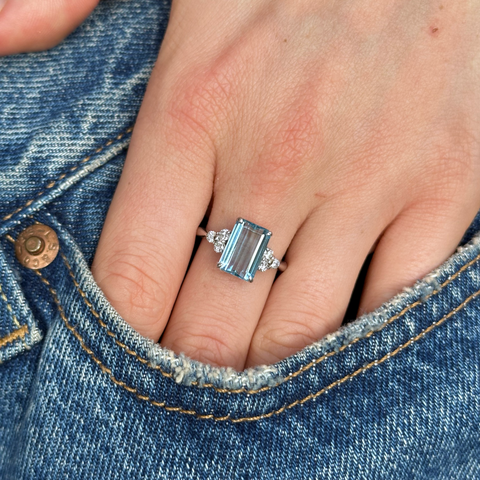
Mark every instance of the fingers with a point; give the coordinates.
(150, 229)
(32, 25)
(216, 313)
(420, 239)
(310, 298)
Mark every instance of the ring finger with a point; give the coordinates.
(216, 313)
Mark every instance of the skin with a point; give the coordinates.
(342, 127)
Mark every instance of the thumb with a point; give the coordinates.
(32, 25)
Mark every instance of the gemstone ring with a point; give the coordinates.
(244, 249)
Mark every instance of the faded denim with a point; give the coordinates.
(394, 394)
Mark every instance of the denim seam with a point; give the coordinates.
(19, 332)
(202, 416)
(71, 169)
(288, 377)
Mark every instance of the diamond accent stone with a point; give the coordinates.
(211, 236)
(222, 236)
(218, 247)
(263, 267)
(268, 261)
(220, 240)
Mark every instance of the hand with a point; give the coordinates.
(339, 127)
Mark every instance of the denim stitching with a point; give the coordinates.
(72, 169)
(201, 416)
(9, 338)
(388, 322)
(288, 377)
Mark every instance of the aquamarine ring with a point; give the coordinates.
(244, 249)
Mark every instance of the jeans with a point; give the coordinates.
(394, 394)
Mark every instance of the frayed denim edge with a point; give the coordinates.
(186, 371)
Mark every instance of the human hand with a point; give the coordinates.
(333, 125)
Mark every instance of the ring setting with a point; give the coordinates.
(244, 249)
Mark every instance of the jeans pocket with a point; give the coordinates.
(23, 311)
(147, 373)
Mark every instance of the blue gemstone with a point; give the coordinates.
(244, 249)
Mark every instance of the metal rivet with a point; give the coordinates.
(34, 245)
(37, 246)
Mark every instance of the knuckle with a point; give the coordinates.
(291, 332)
(186, 131)
(200, 100)
(287, 150)
(371, 159)
(455, 162)
(459, 144)
(453, 169)
(280, 342)
(213, 345)
(130, 286)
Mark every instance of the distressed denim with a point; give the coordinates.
(394, 394)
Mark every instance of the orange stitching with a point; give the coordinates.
(390, 320)
(15, 321)
(9, 308)
(311, 396)
(20, 332)
(288, 377)
(52, 183)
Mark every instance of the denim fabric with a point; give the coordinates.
(394, 394)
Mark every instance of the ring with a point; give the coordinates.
(244, 249)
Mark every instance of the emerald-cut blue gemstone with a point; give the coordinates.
(244, 249)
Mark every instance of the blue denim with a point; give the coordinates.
(394, 394)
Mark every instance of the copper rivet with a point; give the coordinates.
(37, 246)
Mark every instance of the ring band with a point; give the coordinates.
(244, 249)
